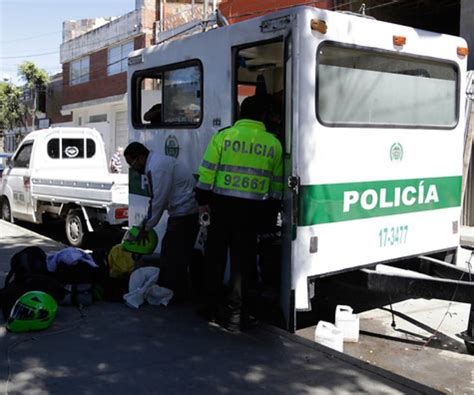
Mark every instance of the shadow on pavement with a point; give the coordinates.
(110, 348)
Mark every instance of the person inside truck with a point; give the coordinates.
(240, 174)
(171, 187)
(153, 115)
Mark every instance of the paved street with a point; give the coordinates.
(109, 348)
(423, 341)
(422, 346)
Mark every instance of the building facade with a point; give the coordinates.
(94, 59)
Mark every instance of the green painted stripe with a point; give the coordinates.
(136, 184)
(321, 204)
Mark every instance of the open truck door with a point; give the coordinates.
(290, 185)
(265, 68)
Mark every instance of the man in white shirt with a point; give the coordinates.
(171, 187)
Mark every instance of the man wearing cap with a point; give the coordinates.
(240, 175)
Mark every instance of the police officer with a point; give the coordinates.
(240, 174)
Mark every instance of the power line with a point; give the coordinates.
(104, 67)
(30, 38)
(96, 46)
(29, 56)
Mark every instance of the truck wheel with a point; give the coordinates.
(76, 228)
(6, 210)
(469, 347)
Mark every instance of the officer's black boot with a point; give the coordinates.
(229, 319)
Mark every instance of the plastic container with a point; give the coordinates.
(348, 323)
(328, 335)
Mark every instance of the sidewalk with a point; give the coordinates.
(110, 348)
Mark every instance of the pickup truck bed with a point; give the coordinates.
(95, 191)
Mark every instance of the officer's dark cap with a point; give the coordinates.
(255, 107)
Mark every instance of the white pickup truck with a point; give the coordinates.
(63, 172)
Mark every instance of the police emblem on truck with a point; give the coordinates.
(172, 146)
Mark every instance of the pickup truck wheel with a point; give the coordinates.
(76, 228)
(6, 210)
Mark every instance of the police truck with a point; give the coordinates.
(370, 116)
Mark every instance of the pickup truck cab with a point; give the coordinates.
(63, 172)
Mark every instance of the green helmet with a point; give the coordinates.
(33, 311)
(130, 244)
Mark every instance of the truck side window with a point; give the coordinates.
(73, 148)
(90, 148)
(22, 158)
(53, 148)
(168, 96)
(429, 89)
(182, 96)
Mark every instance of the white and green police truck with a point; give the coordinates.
(370, 117)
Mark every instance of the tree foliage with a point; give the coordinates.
(36, 80)
(12, 109)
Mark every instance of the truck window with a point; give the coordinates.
(168, 96)
(90, 148)
(53, 148)
(22, 158)
(72, 148)
(361, 87)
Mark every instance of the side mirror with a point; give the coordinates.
(10, 162)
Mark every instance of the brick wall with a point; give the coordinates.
(100, 85)
(238, 10)
(54, 100)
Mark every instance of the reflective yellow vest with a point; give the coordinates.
(243, 161)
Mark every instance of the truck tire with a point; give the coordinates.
(469, 347)
(76, 228)
(6, 213)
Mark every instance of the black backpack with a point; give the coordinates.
(25, 263)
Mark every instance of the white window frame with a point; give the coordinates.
(84, 69)
(119, 64)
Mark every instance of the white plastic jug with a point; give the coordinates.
(348, 323)
(328, 335)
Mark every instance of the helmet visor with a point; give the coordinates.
(22, 312)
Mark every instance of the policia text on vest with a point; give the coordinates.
(243, 161)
